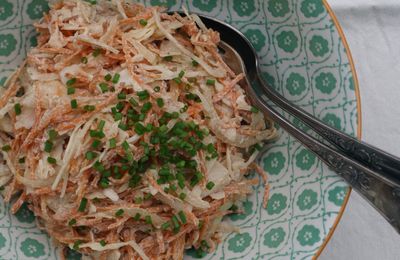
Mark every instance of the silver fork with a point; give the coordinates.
(374, 173)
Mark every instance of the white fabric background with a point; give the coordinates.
(372, 29)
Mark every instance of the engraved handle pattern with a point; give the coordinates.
(382, 193)
(371, 157)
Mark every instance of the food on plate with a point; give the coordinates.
(126, 133)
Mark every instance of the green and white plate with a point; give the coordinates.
(305, 57)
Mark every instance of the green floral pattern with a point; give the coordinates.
(6, 9)
(167, 3)
(278, 8)
(32, 248)
(307, 199)
(256, 38)
(287, 41)
(305, 159)
(7, 44)
(308, 235)
(312, 8)
(36, 8)
(299, 49)
(274, 237)
(244, 7)
(274, 163)
(239, 242)
(2, 241)
(333, 120)
(295, 84)
(325, 82)
(319, 46)
(351, 83)
(205, 5)
(337, 195)
(276, 203)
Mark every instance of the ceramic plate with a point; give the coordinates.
(305, 58)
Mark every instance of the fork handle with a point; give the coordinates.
(371, 157)
(382, 193)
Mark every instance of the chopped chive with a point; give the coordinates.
(210, 82)
(71, 82)
(72, 222)
(125, 145)
(76, 245)
(17, 109)
(82, 205)
(168, 58)
(234, 207)
(174, 115)
(143, 22)
(48, 146)
(146, 107)
(51, 160)
(137, 216)
(6, 148)
(182, 196)
(119, 212)
(148, 220)
(148, 196)
(84, 60)
(96, 52)
(101, 125)
(98, 134)
(107, 77)
(104, 87)
(181, 74)
(118, 116)
(210, 185)
(104, 183)
(103, 242)
(116, 78)
(143, 95)
(254, 110)
(121, 95)
(74, 104)
(106, 173)
(165, 225)
(138, 200)
(113, 143)
(195, 63)
(70, 90)
(175, 222)
(52, 134)
(182, 216)
(21, 160)
(90, 155)
(160, 102)
(178, 80)
(133, 102)
(92, 2)
(98, 166)
(157, 89)
(95, 144)
(123, 127)
(139, 128)
(89, 108)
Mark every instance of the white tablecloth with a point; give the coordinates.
(372, 29)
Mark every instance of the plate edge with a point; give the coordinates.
(359, 122)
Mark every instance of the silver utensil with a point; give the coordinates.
(372, 172)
